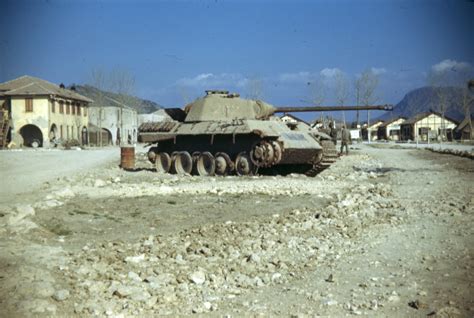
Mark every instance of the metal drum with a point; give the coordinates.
(127, 157)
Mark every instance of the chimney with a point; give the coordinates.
(61, 85)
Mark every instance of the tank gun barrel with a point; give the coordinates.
(330, 108)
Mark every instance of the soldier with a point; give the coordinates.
(333, 133)
(345, 139)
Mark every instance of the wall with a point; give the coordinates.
(69, 124)
(111, 120)
(38, 117)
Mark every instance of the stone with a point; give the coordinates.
(197, 277)
(61, 295)
(135, 259)
(99, 183)
(134, 276)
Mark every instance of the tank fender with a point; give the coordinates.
(320, 135)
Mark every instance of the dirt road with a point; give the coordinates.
(383, 232)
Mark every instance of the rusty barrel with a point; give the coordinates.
(127, 157)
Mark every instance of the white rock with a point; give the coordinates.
(99, 183)
(198, 277)
(134, 276)
(61, 295)
(135, 259)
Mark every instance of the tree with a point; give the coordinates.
(438, 80)
(317, 93)
(366, 85)
(467, 102)
(98, 79)
(342, 91)
(254, 88)
(123, 84)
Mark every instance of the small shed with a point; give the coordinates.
(390, 130)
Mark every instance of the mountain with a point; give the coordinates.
(427, 98)
(142, 106)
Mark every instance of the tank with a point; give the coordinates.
(223, 134)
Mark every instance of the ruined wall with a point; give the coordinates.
(117, 121)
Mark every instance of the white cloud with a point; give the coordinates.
(303, 76)
(378, 70)
(210, 80)
(450, 65)
(330, 72)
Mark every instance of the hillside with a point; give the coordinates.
(142, 106)
(425, 98)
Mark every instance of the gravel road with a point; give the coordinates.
(382, 232)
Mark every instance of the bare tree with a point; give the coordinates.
(254, 88)
(342, 91)
(366, 86)
(317, 93)
(98, 79)
(438, 80)
(123, 84)
(467, 102)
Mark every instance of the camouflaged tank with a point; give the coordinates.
(224, 134)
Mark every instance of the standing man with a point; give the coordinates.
(333, 133)
(345, 139)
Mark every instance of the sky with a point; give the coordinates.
(177, 49)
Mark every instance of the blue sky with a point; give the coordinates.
(177, 49)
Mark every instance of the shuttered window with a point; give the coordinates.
(29, 105)
(61, 107)
(79, 110)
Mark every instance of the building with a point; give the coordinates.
(158, 116)
(372, 129)
(390, 130)
(117, 121)
(42, 114)
(427, 126)
(289, 118)
(463, 130)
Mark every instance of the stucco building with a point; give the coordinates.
(42, 113)
(117, 121)
(371, 130)
(157, 116)
(427, 126)
(390, 130)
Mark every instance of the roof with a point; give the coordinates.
(420, 116)
(464, 123)
(385, 124)
(294, 117)
(29, 85)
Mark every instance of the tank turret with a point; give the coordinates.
(222, 105)
(221, 133)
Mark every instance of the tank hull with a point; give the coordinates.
(269, 144)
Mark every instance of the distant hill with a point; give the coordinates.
(425, 99)
(142, 106)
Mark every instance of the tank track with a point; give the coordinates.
(329, 157)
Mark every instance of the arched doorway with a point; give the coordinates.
(106, 137)
(54, 135)
(32, 136)
(84, 139)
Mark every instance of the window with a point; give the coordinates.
(68, 108)
(61, 108)
(73, 109)
(79, 110)
(29, 105)
(85, 111)
(53, 106)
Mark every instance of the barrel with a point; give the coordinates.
(127, 157)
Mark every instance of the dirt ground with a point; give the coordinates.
(385, 231)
